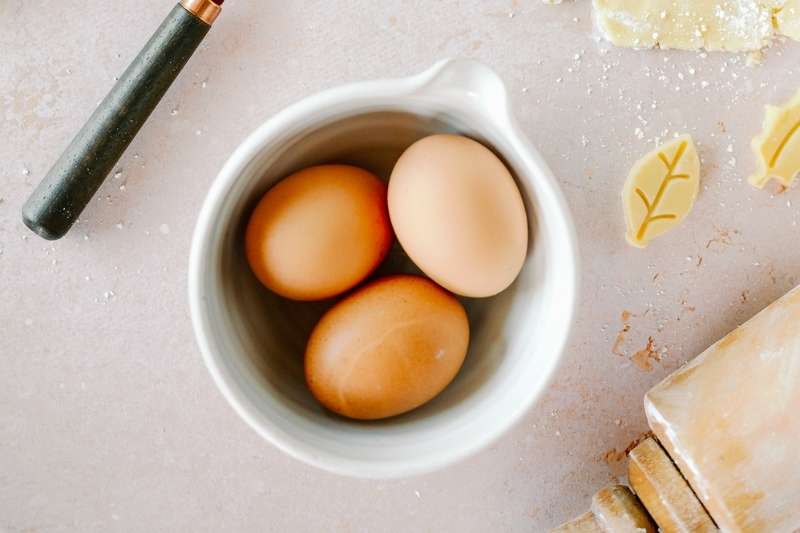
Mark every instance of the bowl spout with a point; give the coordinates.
(468, 82)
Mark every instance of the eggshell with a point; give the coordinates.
(459, 215)
(387, 348)
(319, 232)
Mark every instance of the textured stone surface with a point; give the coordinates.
(108, 419)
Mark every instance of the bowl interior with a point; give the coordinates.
(256, 339)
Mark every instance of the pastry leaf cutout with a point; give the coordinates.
(660, 190)
(778, 146)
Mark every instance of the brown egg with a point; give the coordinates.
(459, 215)
(319, 232)
(387, 348)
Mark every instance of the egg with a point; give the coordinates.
(319, 232)
(387, 348)
(459, 215)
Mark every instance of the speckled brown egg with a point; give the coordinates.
(319, 232)
(386, 349)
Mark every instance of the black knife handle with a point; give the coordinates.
(62, 195)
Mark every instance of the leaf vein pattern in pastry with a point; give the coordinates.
(651, 208)
(782, 145)
(777, 147)
(660, 190)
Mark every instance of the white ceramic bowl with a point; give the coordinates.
(253, 341)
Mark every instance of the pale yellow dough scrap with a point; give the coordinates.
(729, 25)
(778, 146)
(660, 190)
(787, 19)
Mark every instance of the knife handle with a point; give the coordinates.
(61, 196)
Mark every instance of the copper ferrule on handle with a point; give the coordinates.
(205, 10)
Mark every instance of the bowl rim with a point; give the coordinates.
(359, 98)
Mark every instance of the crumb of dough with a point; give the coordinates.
(644, 358)
(755, 58)
(620, 340)
(614, 456)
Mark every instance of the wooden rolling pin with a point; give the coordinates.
(725, 456)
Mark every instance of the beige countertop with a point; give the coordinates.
(108, 418)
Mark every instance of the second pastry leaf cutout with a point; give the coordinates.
(778, 146)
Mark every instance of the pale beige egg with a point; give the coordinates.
(459, 215)
(387, 348)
